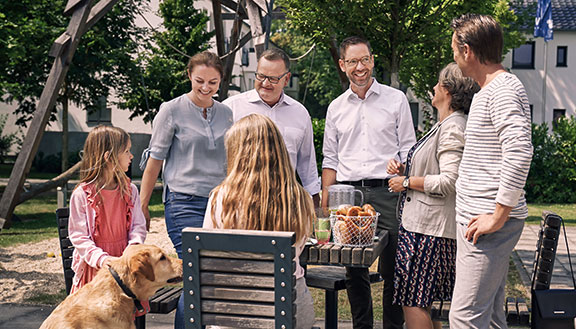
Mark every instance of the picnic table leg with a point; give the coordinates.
(331, 309)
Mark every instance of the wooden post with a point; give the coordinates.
(83, 17)
(218, 28)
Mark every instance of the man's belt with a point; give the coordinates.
(368, 182)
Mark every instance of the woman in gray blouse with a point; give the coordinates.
(188, 144)
(425, 258)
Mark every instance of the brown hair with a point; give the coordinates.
(350, 41)
(275, 54)
(206, 58)
(482, 34)
(100, 163)
(260, 191)
(460, 88)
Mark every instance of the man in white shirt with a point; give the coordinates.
(291, 117)
(366, 126)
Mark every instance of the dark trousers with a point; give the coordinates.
(358, 283)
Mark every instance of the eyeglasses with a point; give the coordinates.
(354, 62)
(273, 80)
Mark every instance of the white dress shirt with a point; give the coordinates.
(362, 135)
(295, 125)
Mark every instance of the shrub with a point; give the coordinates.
(318, 129)
(552, 177)
(6, 141)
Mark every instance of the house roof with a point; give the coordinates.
(563, 13)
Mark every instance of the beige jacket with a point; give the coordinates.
(433, 211)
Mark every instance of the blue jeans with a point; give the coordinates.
(182, 210)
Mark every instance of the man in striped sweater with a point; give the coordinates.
(490, 203)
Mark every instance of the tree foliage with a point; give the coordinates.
(102, 62)
(162, 69)
(410, 39)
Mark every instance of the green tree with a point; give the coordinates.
(410, 39)
(103, 61)
(162, 69)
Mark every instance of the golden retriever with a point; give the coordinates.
(102, 304)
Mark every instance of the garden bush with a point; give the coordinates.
(552, 177)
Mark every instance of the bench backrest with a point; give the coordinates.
(66, 248)
(238, 278)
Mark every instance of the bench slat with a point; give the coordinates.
(235, 255)
(165, 300)
(357, 254)
(256, 295)
(324, 256)
(237, 321)
(236, 280)
(238, 308)
(236, 265)
(335, 254)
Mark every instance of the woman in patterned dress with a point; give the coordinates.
(425, 258)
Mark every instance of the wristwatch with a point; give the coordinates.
(406, 182)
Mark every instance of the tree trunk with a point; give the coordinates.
(47, 186)
(64, 131)
(344, 83)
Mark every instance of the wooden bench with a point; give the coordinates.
(238, 278)
(164, 301)
(517, 312)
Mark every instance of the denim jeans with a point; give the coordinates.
(181, 211)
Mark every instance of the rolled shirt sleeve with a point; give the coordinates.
(162, 134)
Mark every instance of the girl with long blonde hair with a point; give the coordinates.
(261, 192)
(105, 212)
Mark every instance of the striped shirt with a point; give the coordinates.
(497, 152)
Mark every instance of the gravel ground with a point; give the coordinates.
(26, 270)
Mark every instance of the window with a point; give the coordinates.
(100, 114)
(562, 56)
(523, 56)
(558, 113)
(245, 57)
(415, 110)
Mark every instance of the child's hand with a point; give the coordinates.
(108, 260)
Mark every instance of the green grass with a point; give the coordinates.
(36, 221)
(566, 211)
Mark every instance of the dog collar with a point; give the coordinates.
(126, 290)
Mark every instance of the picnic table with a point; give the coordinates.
(332, 278)
(332, 254)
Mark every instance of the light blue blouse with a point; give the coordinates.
(192, 147)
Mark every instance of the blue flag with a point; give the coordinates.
(543, 25)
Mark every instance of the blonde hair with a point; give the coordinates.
(260, 191)
(102, 147)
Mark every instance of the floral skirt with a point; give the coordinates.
(425, 269)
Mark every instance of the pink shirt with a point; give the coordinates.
(81, 229)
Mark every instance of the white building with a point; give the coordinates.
(556, 96)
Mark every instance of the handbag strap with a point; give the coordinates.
(568, 251)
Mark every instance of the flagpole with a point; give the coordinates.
(544, 80)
